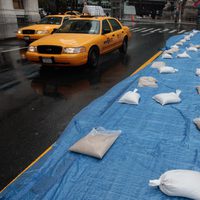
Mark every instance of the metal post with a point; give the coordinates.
(180, 11)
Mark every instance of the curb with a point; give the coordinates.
(159, 22)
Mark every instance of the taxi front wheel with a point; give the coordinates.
(93, 57)
(123, 48)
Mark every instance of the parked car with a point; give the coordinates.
(45, 27)
(80, 41)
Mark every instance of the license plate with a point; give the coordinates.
(26, 38)
(47, 60)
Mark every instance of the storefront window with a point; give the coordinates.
(18, 4)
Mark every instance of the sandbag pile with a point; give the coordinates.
(181, 183)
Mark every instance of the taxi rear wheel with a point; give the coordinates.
(123, 48)
(93, 57)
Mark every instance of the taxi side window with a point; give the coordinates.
(115, 24)
(105, 27)
(65, 19)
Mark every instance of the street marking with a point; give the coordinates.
(182, 31)
(158, 29)
(14, 49)
(45, 152)
(164, 30)
(147, 30)
(151, 32)
(139, 30)
(173, 31)
(147, 63)
(136, 28)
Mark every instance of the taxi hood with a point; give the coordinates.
(66, 39)
(41, 27)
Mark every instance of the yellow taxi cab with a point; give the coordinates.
(43, 28)
(80, 41)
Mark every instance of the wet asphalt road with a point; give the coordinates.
(36, 104)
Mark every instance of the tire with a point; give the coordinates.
(93, 58)
(123, 48)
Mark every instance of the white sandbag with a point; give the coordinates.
(191, 49)
(174, 49)
(157, 64)
(147, 81)
(196, 46)
(170, 51)
(198, 71)
(187, 37)
(179, 43)
(175, 46)
(130, 97)
(167, 98)
(166, 56)
(197, 122)
(183, 40)
(167, 70)
(181, 183)
(198, 89)
(96, 143)
(191, 34)
(195, 31)
(183, 55)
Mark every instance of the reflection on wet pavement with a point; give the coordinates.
(64, 82)
(14, 68)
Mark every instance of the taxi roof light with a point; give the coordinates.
(93, 10)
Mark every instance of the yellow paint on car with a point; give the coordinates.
(37, 31)
(71, 45)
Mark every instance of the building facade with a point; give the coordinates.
(117, 8)
(114, 8)
(12, 12)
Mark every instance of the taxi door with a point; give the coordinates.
(118, 33)
(106, 37)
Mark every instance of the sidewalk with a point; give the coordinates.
(157, 21)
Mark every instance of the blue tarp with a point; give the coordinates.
(154, 139)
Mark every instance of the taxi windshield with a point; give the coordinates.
(51, 20)
(80, 26)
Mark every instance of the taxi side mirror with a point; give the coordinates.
(105, 31)
(54, 30)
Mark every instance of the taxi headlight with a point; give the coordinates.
(42, 32)
(32, 49)
(19, 32)
(74, 50)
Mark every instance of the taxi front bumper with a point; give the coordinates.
(30, 37)
(58, 59)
